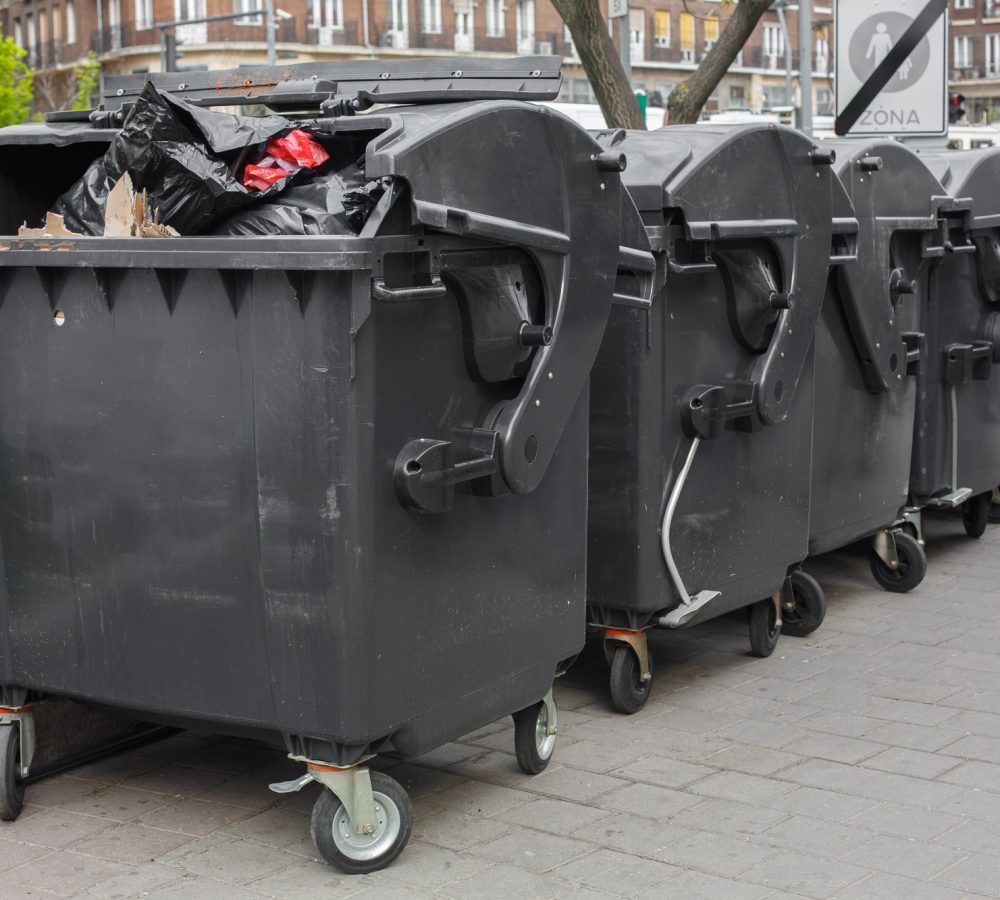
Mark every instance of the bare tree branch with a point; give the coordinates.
(600, 61)
(687, 99)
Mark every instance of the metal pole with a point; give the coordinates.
(624, 33)
(788, 55)
(272, 50)
(806, 66)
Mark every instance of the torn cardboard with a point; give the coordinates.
(126, 214)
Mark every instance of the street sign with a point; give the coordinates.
(617, 8)
(892, 67)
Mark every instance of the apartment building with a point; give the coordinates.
(975, 56)
(667, 39)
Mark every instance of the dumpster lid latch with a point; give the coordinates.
(427, 470)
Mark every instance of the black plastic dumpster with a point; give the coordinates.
(956, 456)
(701, 405)
(868, 353)
(331, 488)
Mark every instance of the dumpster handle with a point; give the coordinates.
(668, 519)
(433, 291)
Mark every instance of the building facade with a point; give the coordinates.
(667, 39)
(974, 47)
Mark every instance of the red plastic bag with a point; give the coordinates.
(299, 147)
(261, 177)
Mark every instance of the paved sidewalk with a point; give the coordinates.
(862, 762)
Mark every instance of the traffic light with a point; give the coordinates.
(956, 112)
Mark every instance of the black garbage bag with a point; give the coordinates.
(175, 151)
(313, 208)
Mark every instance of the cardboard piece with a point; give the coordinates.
(126, 214)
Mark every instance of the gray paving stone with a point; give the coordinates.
(821, 804)
(131, 843)
(664, 771)
(649, 801)
(914, 737)
(835, 747)
(883, 886)
(478, 799)
(533, 850)
(64, 873)
(554, 816)
(911, 822)
(751, 760)
(912, 762)
(973, 836)
(984, 749)
(977, 873)
(729, 817)
(615, 873)
(982, 775)
(885, 853)
(566, 783)
(802, 875)
(977, 804)
(235, 861)
(741, 788)
(454, 831)
(813, 837)
(311, 881)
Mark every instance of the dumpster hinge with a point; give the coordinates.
(427, 471)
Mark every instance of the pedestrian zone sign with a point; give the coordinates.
(891, 75)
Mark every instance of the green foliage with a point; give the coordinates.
(87, 81)
(15, 84)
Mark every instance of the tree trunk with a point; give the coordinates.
(687, 99)
(601, 62)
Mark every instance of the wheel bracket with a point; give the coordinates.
(636, 639)
(551, 719)
(783, 598)
(885, 548)
(352, 786)
(23, 717)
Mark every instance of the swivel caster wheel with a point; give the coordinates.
(976, 514)
(11, 783)
(535, 735)
(994, 513)
(629, 692)
(808, 607)
(764, 628)
(358, 854)
(911, 568)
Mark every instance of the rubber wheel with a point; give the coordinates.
(810, 606)
(533, 745)
(11, 785)
(357, 854)
(976, 514)
(764, 631)
(629, 692)
(994, 513)
(912, 566)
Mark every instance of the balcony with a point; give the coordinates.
(319, 35)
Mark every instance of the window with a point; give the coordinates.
(824, 102)
(432, 17)
(495, 18)
(465, 41)
(961, 58)
(43, 26)
(325, 14)
(399, 35)
(711, 28)
(774, 45)
(70, 22)
(18, 33)
(637, 34)
(143, 15)
(965, 4)
(822, 65)
(29, 24)
(570, 49)
(993, 54)
(525, 26)
(661, 28)
(687, 37)
(737, 96)
(245, 6)
(56, 25)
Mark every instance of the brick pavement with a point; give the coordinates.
(861, 762)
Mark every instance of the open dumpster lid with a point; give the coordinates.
(343, 87)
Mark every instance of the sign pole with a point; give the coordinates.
(805, 67)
